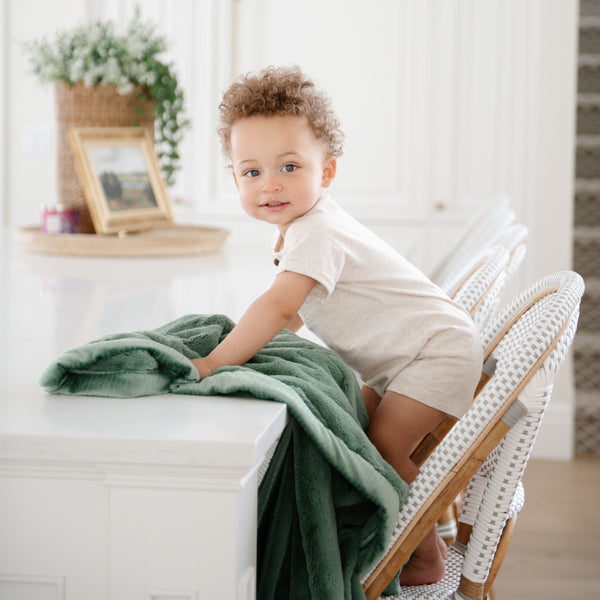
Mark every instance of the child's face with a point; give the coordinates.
(279, 167)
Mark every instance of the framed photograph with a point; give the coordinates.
(121, 178)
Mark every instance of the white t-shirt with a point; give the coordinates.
(377, 310)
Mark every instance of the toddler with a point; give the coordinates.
(417, 352)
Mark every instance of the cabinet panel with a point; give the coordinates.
(31, 587)
(434, 96)
(481, 104)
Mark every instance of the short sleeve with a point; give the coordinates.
(311, 249)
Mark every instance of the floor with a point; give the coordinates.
(555, 551)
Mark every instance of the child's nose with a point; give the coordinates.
(271, 183)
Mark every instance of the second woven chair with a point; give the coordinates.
(481, 233)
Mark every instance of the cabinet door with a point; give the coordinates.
(480, 134)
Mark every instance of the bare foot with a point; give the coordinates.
(421, 570)
(427, 563)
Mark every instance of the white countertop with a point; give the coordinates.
(53, 303)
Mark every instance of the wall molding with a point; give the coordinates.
(199, 478)
(32, 586)
(172, 594)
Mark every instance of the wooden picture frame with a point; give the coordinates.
(121, 178)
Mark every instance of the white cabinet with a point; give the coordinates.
(150, 498)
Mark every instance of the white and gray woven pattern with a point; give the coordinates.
(475, 489)
(480, 234)
(479, 293)
(448, 586)
(513, 239)
(508, 464)
(518, 351)
(448, 530)
(568, 285)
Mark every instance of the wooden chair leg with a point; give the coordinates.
(501, 551)
(471, 590)
(446, 526)
(486, 591)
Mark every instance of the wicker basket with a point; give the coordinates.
(100, 106)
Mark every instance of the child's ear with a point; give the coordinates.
(329, 170)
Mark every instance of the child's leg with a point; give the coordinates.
(371, 399)
(397, 425)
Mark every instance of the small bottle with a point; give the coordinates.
(50, 222)
(67, 218)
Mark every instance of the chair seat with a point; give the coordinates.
(454, 562)
(440, 590)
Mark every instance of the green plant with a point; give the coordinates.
(96, 53)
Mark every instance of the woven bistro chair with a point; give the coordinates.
(478, 293)
(481, 233)
(514, 240)
(479, 290)
(487, 450)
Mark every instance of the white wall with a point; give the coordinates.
(30, 129)
(549, 208)
(2, 109)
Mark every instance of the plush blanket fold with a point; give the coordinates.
(328, 501)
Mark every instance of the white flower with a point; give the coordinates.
(96, 53)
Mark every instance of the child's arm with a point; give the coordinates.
(263, 320)
(295, 323)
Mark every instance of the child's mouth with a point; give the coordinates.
(274, 206)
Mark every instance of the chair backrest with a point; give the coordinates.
(480, 286)
(528, 340)
(514, 240)
(494, 494)
(512, 237)
(482, 232)
(478, 292)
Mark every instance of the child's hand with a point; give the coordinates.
(203, 366)
(264, 319)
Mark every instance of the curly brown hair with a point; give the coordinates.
(277, 91)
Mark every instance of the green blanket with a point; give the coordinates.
(328, 501)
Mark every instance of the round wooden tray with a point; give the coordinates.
(166, 241)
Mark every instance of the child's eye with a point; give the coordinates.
(252, 173)
(289, 168)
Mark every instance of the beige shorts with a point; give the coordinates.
(444, 375)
